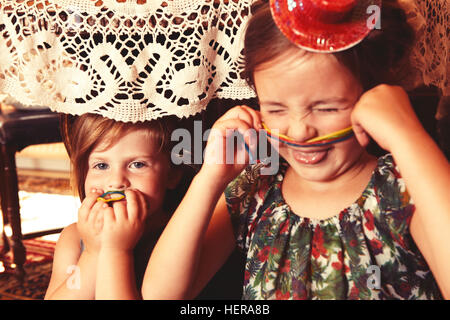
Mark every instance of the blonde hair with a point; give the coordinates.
(89, 130)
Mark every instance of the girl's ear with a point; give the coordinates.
(174, 177)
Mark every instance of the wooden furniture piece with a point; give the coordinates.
(20, 128)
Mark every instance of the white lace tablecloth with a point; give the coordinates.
(135, 60)
(127, 60)
(430, 56)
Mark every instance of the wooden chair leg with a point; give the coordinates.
(11, 210)
(5, 242)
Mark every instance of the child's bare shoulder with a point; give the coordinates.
(69, 238)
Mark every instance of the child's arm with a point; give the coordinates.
(199, 236)
(124, 225)
(73, 274)
(386, 115)
(185, 258)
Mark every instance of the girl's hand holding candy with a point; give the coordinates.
(219, 164)
(90, 221)
(123, 225)
(112, 220)
(124, 221)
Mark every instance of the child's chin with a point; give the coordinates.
(314, 177)
(311, 172)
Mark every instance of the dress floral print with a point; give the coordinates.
(364, 252)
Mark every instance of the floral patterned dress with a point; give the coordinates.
(364, 252)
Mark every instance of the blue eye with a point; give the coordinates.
(138, 165)
(101, 166)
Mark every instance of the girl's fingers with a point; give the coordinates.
(228, 127)
(246, 114)
(220, 140)
(246, 121)
(251, 116)
(120, 211)
(108, 215)
(133, 204)
(143, 205)
(96, 213)
(248, 133)
(256, 115)
(88, 204)
(102, 215)
(361, 135)
(251, 141)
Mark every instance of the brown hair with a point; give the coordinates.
(89, 130)
(379, 58)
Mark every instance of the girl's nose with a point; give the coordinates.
(300, 130)
(118, 181)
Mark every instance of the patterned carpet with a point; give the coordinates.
(38, 270)
(41, 200)
(45, 185)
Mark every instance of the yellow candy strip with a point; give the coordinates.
(104, 196)
(330, 136)
(279, 135)
(333, 135)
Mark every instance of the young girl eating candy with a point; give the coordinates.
(122, 172)
(334, 222)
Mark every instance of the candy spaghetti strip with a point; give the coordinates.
(280, 136)
(336, 134)
(333, 137)
(106, 197)
(314, 144)
(324, 140)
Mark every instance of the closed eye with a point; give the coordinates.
(272, 107)
(327, 109)
(330, 105)
(275, 111)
